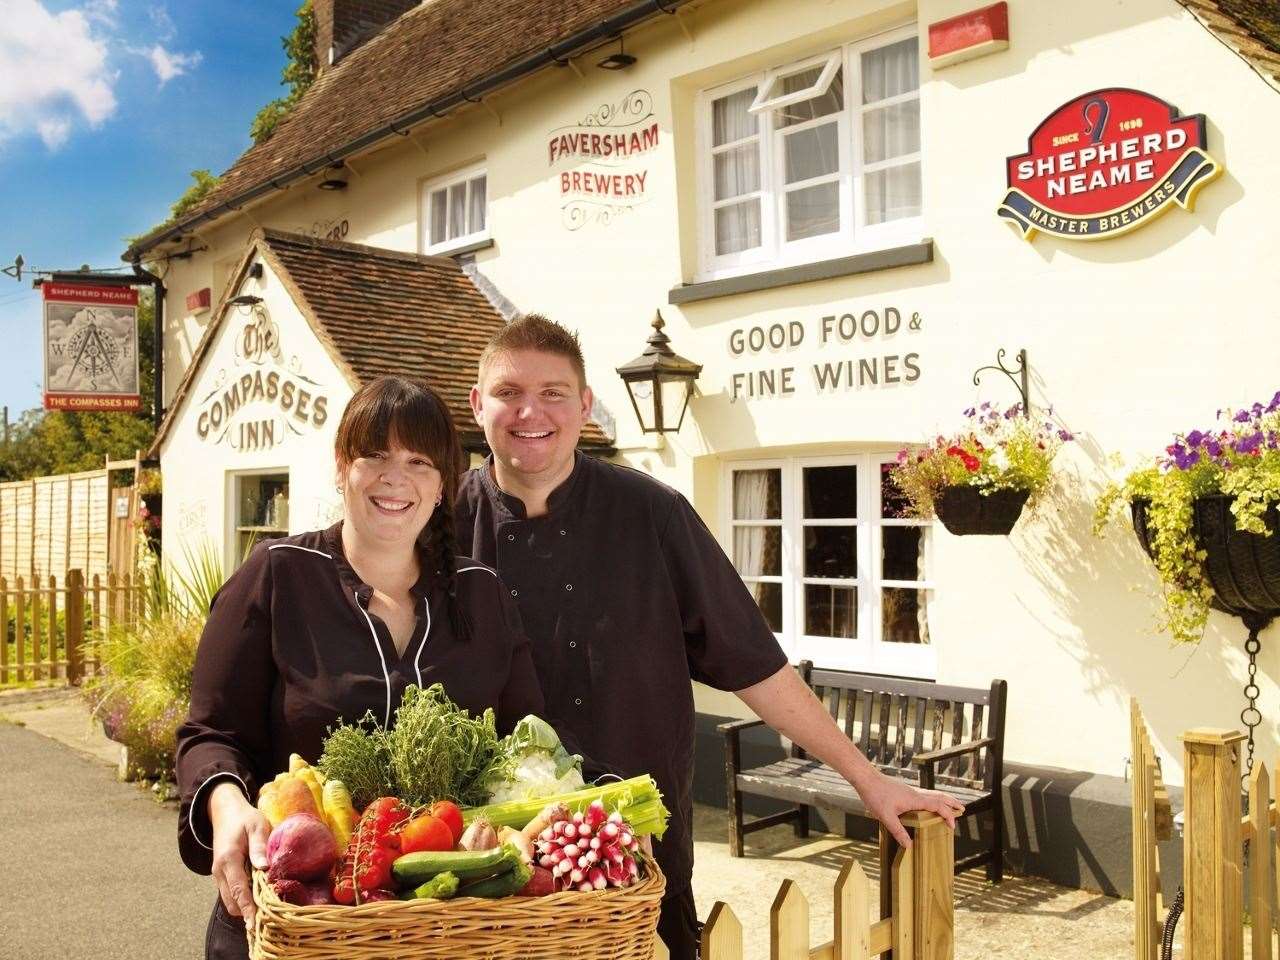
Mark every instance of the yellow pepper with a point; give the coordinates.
(339, 813)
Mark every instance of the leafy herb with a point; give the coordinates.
(357, 754)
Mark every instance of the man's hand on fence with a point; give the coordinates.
(888, 799)
(240, 835)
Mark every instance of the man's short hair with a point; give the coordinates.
(533, 331)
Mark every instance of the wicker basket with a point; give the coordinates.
(617, 924)
(965, 510)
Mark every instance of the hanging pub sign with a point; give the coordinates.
(90, 347)
(1105, 163)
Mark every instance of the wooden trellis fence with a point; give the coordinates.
(1213, 922)
(916, 906)
(48, 624)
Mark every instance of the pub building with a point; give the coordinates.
(841, 211)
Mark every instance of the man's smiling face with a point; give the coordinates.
(532, 407)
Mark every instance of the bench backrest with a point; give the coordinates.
(891, 720)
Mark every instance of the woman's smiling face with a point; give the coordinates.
(389, 495)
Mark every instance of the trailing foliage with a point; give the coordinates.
(1240, 459)
(996, 451)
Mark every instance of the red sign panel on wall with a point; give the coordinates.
(1105, 163)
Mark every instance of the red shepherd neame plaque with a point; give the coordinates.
(1105, 163)
(90, 347)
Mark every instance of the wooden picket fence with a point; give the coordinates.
(49, 626)
(1212, 926)
(916, 907)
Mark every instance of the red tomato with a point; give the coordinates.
(450, 814)
(425, 832)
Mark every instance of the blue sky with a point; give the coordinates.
(105, 108)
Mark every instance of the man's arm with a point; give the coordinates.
(786, 704)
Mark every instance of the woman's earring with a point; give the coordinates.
(439, 499)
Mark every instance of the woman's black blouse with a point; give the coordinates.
(290, 648)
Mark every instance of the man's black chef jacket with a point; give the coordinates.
(290, 647)
(625, 595)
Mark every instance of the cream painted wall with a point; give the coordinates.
(199, 472)
(1129, 339)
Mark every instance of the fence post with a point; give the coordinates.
(95, 624)
(53, 627)
(722, 935)
(1260, 861)
(1213, 880)
(1145, 926)
(75, 626)
(789, 924)
(37, 625)
(932, 916)
(852, 914)
(4, 630)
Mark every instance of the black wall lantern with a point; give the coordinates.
(659, 383)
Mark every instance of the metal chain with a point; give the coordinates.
(1251, 716)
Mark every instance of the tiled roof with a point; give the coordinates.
(381, 312)
(1249, 27)
(437, 49)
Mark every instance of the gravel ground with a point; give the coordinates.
(110, 830)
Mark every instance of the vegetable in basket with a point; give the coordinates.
(366, 866)
(536, 764)
(593, 850)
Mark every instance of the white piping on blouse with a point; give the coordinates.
(195, 800)
(426, 603)
(377, 646)
(294, 546)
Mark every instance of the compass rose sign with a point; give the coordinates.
(90, 347)
(1106, 163)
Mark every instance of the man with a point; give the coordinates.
(626, 595)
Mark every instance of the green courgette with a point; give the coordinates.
(415, 869)
(505, 885)
(440, 887)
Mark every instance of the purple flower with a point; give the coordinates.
(1213, 447)
(1065, 435)
(1274, 404)
(1189, 460)
(1257, 409)
(1195, 438)
(970, 412)
(1249, 444)
(1241, 416)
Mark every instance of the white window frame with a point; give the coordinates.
(854, 235)
(868, 653)
(427, 187)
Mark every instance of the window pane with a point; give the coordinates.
(903, 612)
(902, 553)
(730, 120)
(738, 227)
(737, 171)
(757, 494)
(830, 493)
(890, 71)
(893, 193)
(457, 210)
(757, 551)
(812, 152)
(893, 502)
(827, 103)
(768, 596)
(476, 215)
(831, 552)
(830, 611)
(890, 132)
(813, 211)
(439, 216)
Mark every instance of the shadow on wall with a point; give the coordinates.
(1107, 600)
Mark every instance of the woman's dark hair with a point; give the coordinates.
(406, 412)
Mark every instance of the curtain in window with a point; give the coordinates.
(737, 172)
(754, 551)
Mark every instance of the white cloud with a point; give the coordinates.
(102, 11)
(53, 70)
(168, 65)
(163, 23)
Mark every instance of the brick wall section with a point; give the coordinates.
(342, 25)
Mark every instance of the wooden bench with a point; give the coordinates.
(938, 737)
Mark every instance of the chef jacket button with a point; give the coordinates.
(568, 586)
(515, 593)
(563, 533)
(577, 701)
(511, 536)
(573, 643)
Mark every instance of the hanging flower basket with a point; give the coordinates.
(965, 511)
(1242, 568)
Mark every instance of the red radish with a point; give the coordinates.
(539, 885)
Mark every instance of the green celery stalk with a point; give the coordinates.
(637, 799)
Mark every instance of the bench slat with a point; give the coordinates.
(977, 759)
(886, 707)
(850, 713)
(955, 766)
(914, 688)
(870, 696)
(922, 704)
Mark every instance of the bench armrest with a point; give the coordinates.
(735, 727)
(950, 753)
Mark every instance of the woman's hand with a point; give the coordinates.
(887, 799)
(239, 834)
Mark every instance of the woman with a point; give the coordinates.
(333, 623)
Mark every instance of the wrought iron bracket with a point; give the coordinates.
(1019, 376)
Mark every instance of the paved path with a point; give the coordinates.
(91, 865)
(93, 873)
